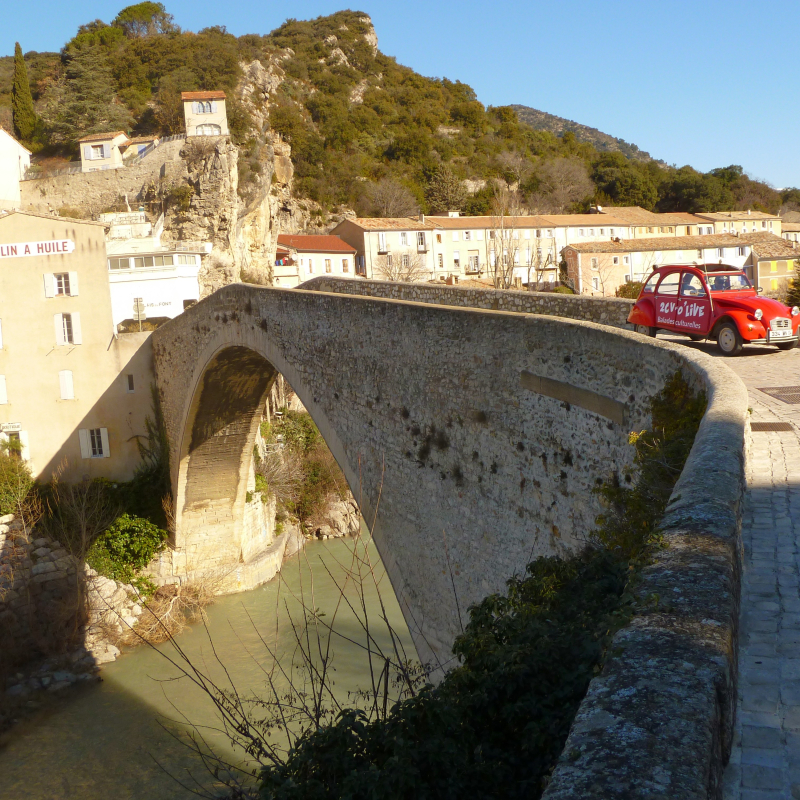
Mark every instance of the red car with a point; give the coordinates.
(713, 301)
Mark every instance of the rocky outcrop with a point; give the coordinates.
(341, 518)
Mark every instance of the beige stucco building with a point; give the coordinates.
(205, 113)
(14, 161)
(72, 392)
(102, 151)
(301, 257)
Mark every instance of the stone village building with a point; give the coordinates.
(299, 258)
(205, 113)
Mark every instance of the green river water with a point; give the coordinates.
(108, 740)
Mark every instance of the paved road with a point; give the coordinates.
(765, 763)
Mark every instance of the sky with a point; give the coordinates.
(707, 83)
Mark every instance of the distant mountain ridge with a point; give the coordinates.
(542, 121)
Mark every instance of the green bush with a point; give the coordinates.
(15, 482)
(563, 290)
(126, 547)
(630, 290)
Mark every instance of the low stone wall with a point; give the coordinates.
(611, 311)
(658, 721)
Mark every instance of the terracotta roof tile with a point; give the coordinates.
(103, 137)
(315, 244)
(212, 95)
(758, 241)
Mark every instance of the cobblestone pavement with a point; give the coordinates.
(765, 762)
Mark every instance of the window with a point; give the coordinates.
(650, 286)
(94, 442)
(474, 262)
(538, 234)
(669, 285)
(66, 385)
(345, 265)
(208, 130)
(61, 284)
(328, 265)
(389, 260)
(157, 261)
(539, 253)
(361, 265)
(611, 232)
(721, 252)
(456, 259)
(763, 223)
(649, 230)
(467, 235)
(3, 392)
(692, 286)
(420, 239)
(602, 231)
(455, 236)
(595, 283)
(381, 242)
(441, 261)
(129, 384)
(527, 234)
(204, 107)
(580, 232)
(595, 264)
(96, 151)
(688, 230)
(591, 231)
(310, 266)
(491, 234)
(626, 259)
(118, 263)
(615, 260)
(742, 251)
(549, 233)
(669, 229)
(405, 260)
(189, 260)
(438, 238)
(67, 329)
(403, 239)
(699, 253)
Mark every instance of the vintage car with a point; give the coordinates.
(713, 301)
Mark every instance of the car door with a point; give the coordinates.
(693, 312)
(667, 299)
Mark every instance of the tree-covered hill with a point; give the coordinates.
(366, 132)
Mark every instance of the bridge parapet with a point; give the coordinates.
(611, 311)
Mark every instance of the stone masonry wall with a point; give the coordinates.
(482, 432)
(95, 191)
(611, 311)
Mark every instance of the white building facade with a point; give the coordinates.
(14, 161)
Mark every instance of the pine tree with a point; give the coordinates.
(21, 100)
(793, 295)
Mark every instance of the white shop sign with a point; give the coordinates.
(51, 248)
(8, 427)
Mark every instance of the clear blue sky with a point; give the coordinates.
(707, 83)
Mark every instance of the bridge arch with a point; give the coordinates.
(482, 433)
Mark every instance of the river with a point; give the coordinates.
(115, 739)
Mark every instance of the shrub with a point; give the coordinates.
(128, 546)
(16, 481)
(563, 290)
(630, 290)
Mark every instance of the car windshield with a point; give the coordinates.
(729, 283)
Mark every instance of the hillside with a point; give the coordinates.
(602, 142)
(365, 132)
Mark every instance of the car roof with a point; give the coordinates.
(701, 267)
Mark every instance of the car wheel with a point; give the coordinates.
(729, 340)
(787, 345)
(645, 330)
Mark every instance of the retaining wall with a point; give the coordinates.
(611, 311)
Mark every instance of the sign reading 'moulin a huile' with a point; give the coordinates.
(52, 248)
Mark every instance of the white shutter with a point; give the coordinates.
(196, 108)
(213, 106)
(1, 334)
(49, 285)
(86, 449)
(106, 151)
(23, 440)
(67, 386)
(73, 284)
(87, 152)
(58, 324)
(76, 329)
(3, 393)
(104, 440)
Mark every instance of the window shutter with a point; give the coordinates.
(67, 386)
(58, 324)
(49, 285)
(213, 106)
(3, 394)
(86, 450)
(76, 329)
(23, 440)
(87, 152)
(73, 284)
(104, 440)
(196, 108)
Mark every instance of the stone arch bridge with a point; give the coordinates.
(473, 438)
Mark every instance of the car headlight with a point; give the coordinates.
(795, 311)
(759, 313)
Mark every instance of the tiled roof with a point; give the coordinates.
(392, 223)
(103, 137)
(791, 216)
(213, 95)
(635, 215)
(315, 244)
(760, 240)
(722, 216)
(790, 226)
(777, 247)
(142, 139)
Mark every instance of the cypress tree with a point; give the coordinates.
(21, 100)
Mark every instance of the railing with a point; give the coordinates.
(152, 146)
(35, 172)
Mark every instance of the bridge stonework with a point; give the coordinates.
(474, 439)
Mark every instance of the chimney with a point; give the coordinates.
(422, 218)
(748, 212)
(453, 213)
